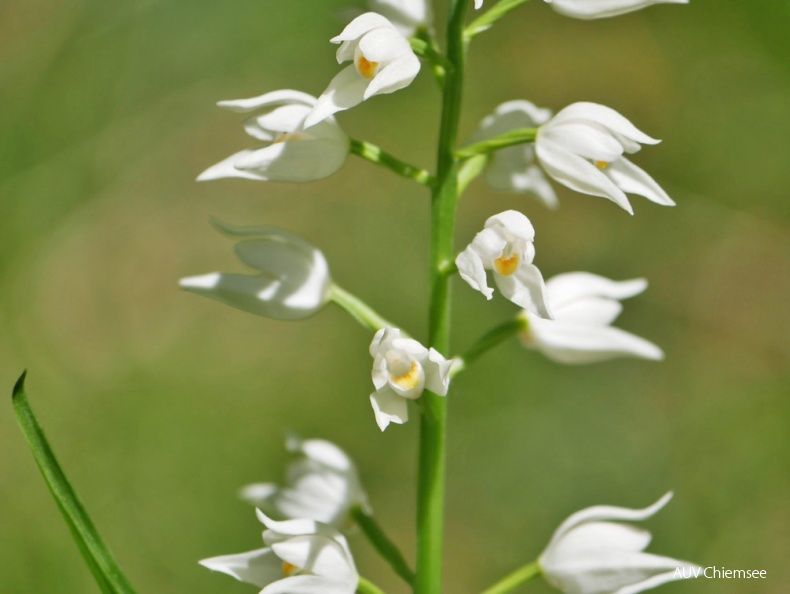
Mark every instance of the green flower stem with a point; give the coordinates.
(375, 154)
(381, 542)
(358, 309)
(511, 138)
(488, 341)
(518, 578)
(485, 21)
(432, 454)
(472, 167)
(100, 561)
(367, 587)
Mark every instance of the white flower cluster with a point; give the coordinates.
(567, 318)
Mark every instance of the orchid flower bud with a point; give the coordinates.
(293, 154)
(583, 306)
(591, 554)
(301, 556)
(582, 148)
(322, 485)
(292, 283)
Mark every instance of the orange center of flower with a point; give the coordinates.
(601, 165)
(410, 379)
(289, 569)
(506, 266)
(365, 67)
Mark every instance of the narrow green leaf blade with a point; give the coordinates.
(100, 561)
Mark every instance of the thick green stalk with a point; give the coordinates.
(430, 480)
(518, 578)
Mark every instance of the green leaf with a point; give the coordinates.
(105, 569)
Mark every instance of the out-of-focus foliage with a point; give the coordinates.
(160, 405)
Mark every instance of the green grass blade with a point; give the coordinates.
(105, 569)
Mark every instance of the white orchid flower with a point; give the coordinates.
(293, 154)
(514, 169)
(584, 305)
(597, 9)
(505, 246)
(591, 554)
(383, 62)
(582, 148)
(301, 556)
(406, 15)
(293, 281)
(322, 484)
(402, 369)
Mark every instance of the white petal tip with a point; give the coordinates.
(203, 282)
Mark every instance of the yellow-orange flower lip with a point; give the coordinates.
(365, 67)
(289, 569)
(506, 266)
(410, 379)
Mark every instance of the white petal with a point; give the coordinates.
(317, 554)
(362, 24)
(470, 267)
(478, 4)
(609, 512)
(258, 567)
(601, 114)
(574, 344)
(584, 138)
(437, 370)
(590, 311)
(606, 572)
(394, 76)
(284, 118)
(633, 180)
(526, 289)
(405, 15)
(226, 168)
(511, 170)
(310, 584)
(591, 538)
(389, 407)
(578, 174)
(302, 160)
(489, 243)
(571, 286)
(345, 90)
(516, 224)
(274, 98)
(259, 494)
(658, 580)
(327, 454)
(254, 294)
(596, 9)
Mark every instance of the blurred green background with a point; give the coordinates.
(161, 404)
